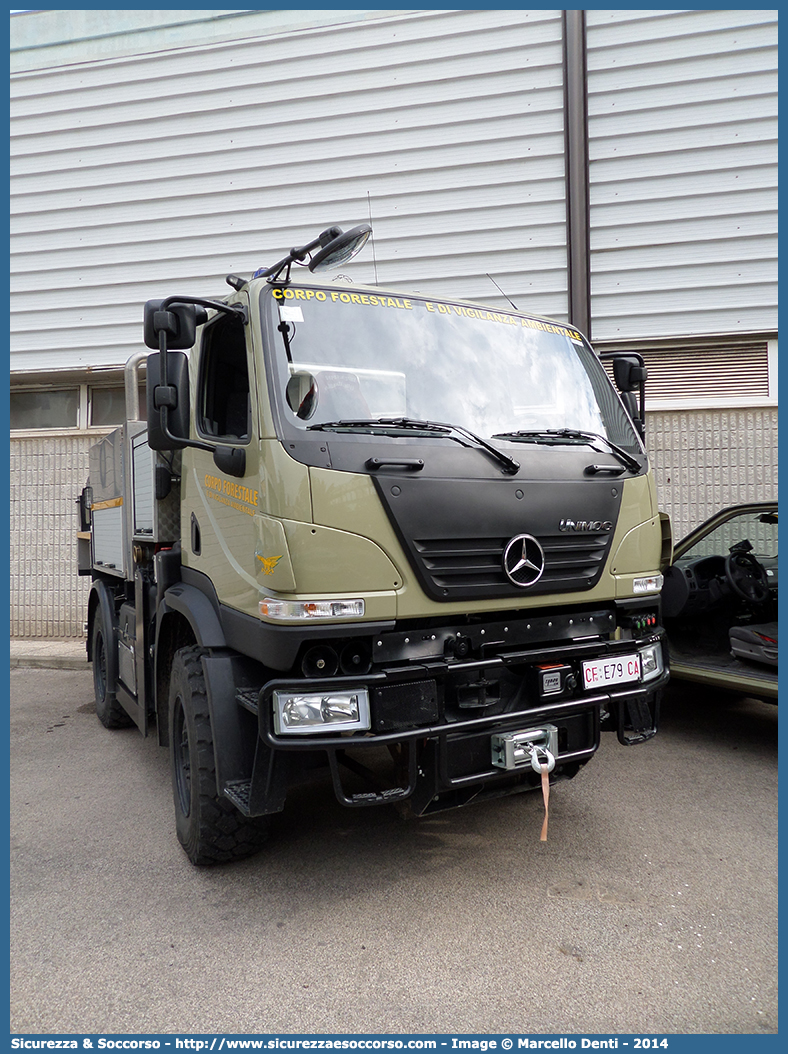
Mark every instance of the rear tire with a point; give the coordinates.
(210, 829)
(105, 672)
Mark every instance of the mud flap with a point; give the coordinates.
(636, 721)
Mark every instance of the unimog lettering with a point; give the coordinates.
(585, 525)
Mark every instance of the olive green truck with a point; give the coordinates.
(409, 542)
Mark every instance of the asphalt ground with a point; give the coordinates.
(651, 909)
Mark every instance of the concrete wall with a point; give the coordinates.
(702, 459)
(48, 598)
(706, 459)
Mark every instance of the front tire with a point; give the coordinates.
(210, 829)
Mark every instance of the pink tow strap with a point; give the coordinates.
(546, 796)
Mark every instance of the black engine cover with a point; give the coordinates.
(455, 531)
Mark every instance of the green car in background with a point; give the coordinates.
(719, 602)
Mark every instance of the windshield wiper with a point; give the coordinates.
(457, 432)
(570, 435)
(376, 422)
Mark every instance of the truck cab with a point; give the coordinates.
(409, 540)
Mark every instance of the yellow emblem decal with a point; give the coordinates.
(269, 563)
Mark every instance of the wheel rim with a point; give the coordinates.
(100, 667)
(182, 766)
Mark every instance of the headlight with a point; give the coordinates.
(300, 713)
(651, 661)
(651, 584)
(296, 610)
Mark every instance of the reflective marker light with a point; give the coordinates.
(652, 584)
(297, 610)
(300, 713)
(651, 661)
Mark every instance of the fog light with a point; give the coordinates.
(651, 584)
(297, 610)
(651, 661)
(300, 713)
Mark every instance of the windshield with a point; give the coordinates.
(757, 529)
(352, 356)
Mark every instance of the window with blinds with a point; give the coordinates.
(725, 373)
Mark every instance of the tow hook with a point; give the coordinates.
(540, 756)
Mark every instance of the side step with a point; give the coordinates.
(247, 697)
(239, 792)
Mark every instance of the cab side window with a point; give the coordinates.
(224, 399)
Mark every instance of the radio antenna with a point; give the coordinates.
(374, 258)
(516, 308)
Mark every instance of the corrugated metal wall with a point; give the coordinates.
(163, 172)
(683, 147)
(683, 174)
(181, 164)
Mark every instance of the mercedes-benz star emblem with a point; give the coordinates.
(523, 560)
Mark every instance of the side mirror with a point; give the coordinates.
(301, 395)
(175, 396)
(631, 403)
(231, 460)
(179, 322)
(84, 501)
(337, 247)
(629, 373)
(162, 482)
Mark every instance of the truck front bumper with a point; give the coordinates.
(447, 756)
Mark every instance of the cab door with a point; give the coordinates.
(222, 485)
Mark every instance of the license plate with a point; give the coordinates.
(597, 673)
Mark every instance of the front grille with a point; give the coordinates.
(463, 561)
(468, 566)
